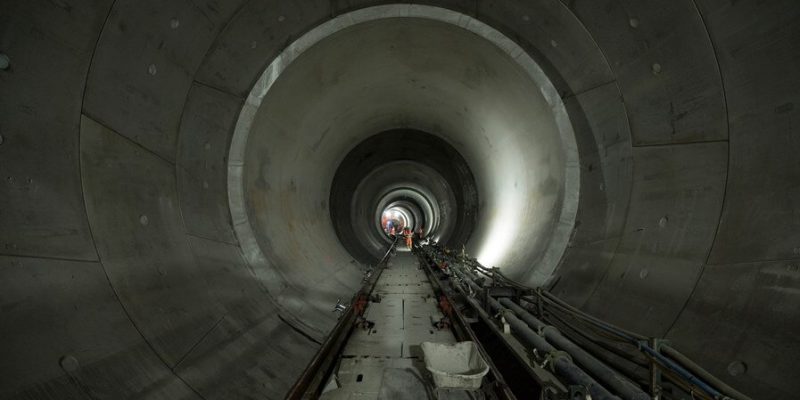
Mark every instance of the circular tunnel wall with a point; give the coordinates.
(124, 270)
(400, 167)
(497, 133)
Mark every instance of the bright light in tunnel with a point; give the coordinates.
(502, 234)
(503, 127)
(394, 217)
(508, 199)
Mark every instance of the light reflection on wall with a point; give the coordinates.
(505, 203)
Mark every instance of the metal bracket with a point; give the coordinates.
(339, 307)
(655, 370)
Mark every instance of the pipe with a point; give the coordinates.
(562, 365)
(613, 379)
(702, 373)
(580, 314)
(463, 332)
(630, 336)
(116, 221)
(613, 357)
(682, 372)
(688, 375)
(665, 362)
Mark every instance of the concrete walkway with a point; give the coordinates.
(386, 362)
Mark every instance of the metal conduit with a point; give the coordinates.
(607, 375)
(176, 267)
(685, 368)
(702, 373)
(634, 338)
(562, 364)
(685, 373)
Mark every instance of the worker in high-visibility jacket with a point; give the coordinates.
(409, 237)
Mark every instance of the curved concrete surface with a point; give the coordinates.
(421, 173)
(125, 273)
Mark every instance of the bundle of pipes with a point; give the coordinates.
(567, 355)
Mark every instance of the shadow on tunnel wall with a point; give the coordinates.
(120, 275)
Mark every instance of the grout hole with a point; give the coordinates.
(360, 378)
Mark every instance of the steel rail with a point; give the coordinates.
(311, 382)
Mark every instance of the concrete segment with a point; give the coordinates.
(683, 112)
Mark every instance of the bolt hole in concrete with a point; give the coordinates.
(737, 368)
(656, 68)
(69, 363)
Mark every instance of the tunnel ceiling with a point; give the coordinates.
(174, 220)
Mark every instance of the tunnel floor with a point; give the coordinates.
(377, 363)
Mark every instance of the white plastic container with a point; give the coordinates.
(455, 366)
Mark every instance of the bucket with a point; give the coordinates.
(455, 366)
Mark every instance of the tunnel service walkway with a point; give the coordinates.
(385, 361)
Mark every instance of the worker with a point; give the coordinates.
(388, 226)
(409, 237)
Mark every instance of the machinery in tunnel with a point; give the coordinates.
(190, 187)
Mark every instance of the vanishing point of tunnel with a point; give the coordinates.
(188, 187)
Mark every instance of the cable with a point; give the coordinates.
(681, 375)
(698, 370)
(616, 351)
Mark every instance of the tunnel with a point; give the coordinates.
(190, 186)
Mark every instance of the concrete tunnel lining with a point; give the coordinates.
(498, 110)
(170, 310)
(396, 163)
(418, 204)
